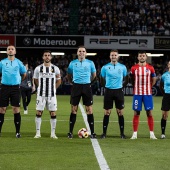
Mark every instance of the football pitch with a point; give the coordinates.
(45, 153)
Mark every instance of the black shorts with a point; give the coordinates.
(112, 95)
(10, 93)
(81, 90)
(165, 102)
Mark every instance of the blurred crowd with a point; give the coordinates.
(96, 17)
(34, 17)
(124, 17)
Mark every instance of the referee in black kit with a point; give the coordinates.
(11, 69)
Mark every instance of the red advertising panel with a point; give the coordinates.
(6, 40)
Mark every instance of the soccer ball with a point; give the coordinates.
(83, 133)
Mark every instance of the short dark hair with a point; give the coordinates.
(81, 46)
(114, 51)
(47, 51)
(142, 52)
(11, 45)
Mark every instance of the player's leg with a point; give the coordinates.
(121, 122)
(137, 107)
(2, 115)
(53, 122)
(119, 103)
(52, 107)
(165, 109)
(74, 101)
(40, 105)
(87, 98)
(105, 123)
(15, 103)
(150, 123)
(23, 95)
(107, 105)
(148, 104)
(163, 123)
(28, 98)
(72, 120)
(4, 101)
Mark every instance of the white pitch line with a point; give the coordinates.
(97, 150)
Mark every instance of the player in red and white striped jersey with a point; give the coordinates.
(143, 78)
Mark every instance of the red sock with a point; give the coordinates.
(150, 123)
(135, 123)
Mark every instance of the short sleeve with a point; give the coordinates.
(103, 72)
(70, 68)
(36, 73)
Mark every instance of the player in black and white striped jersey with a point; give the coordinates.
(47, 78)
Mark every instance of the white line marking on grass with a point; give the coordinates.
(97, 150)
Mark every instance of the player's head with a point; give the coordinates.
(81, 53)
(142, 56)
(47, 56)
(11, 51)
(114, 56)
(25, 64)
(168, 64)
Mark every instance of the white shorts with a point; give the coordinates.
(49, 102)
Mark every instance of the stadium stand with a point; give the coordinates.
(34, 17)
(124, 17)
(94, 17)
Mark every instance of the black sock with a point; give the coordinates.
(90, 120)
(17, 122)
(121, 124)
(163, 125)
(72, 122)
(1, 120)
(105, 123)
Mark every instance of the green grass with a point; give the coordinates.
(48, 154)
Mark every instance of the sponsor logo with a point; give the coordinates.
(7, 40)
(4, 42)
(119, 42)
(50, 41)
(27, 41)
(140, 42)
(46, 41)
(47, 75)
(162, 43)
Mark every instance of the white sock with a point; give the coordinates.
(38, 124)
(135, 133)
(53, 123)
(151, 133)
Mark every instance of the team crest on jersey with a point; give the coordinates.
(119, 71)
(86, 69)
(52, 70)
